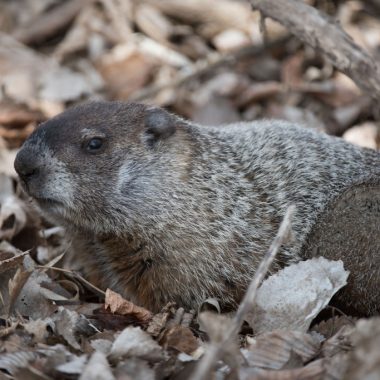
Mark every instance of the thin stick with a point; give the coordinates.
(77, 276)
(214, 351)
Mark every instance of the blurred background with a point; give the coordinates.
(210, 61)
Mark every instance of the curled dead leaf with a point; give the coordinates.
(118, 305)
(277, 349)
(134, 342)
(292, 298)
(181, 339)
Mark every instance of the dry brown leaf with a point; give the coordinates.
(38, 329)
(210, 304)
(153, 23)
(157, 323)
(15, 115)
(336, 366)
(134, 342)
(101, 345)
(280, 349)
(15, 286)
(344, 92)
(73, 367)
(332, 326)
(71, 325)
(218, 15)
(12, 362)
(27, 76)
(97, 368)
(7, 158)
(135, 369)
(6, 331)
(9, 261)
(313, 371)
(117, 304)
(214, 324)
(13, 216)
(31, 302)
(181, 339)
(364, 360)
(15, 137)
(125, 70)
(338, 344)
(259, 91)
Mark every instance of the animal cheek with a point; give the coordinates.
(59, 182)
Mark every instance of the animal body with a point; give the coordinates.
(160, 209)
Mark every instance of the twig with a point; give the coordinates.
(214, 352)
(77, 276)
(316, 30)
(205, 66)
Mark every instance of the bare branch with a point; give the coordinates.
(326, 36)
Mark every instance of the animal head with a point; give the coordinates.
(103, 165)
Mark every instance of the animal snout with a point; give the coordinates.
(27, 165)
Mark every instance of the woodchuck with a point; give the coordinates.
(160, 209)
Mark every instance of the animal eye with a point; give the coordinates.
(94, 144)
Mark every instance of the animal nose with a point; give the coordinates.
(26, 165)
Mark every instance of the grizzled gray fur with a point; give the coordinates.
(160, 209)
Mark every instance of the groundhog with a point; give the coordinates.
(160, 209)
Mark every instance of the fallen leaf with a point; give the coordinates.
(134, 342)
(118, 305)
(70, 325)
(97, 368)
(274, 350)
(181, 339)
(313, 371)
(38, 329)
(15, 286)
(135, 369)
(12, 213)
(331, 326)
(102, 345)
(364, 360)
(14, 361)
(291, 298)
(125, 70)
(339, 343)
(73, 367)
(8, 261)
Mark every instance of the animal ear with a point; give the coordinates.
(159, 124)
